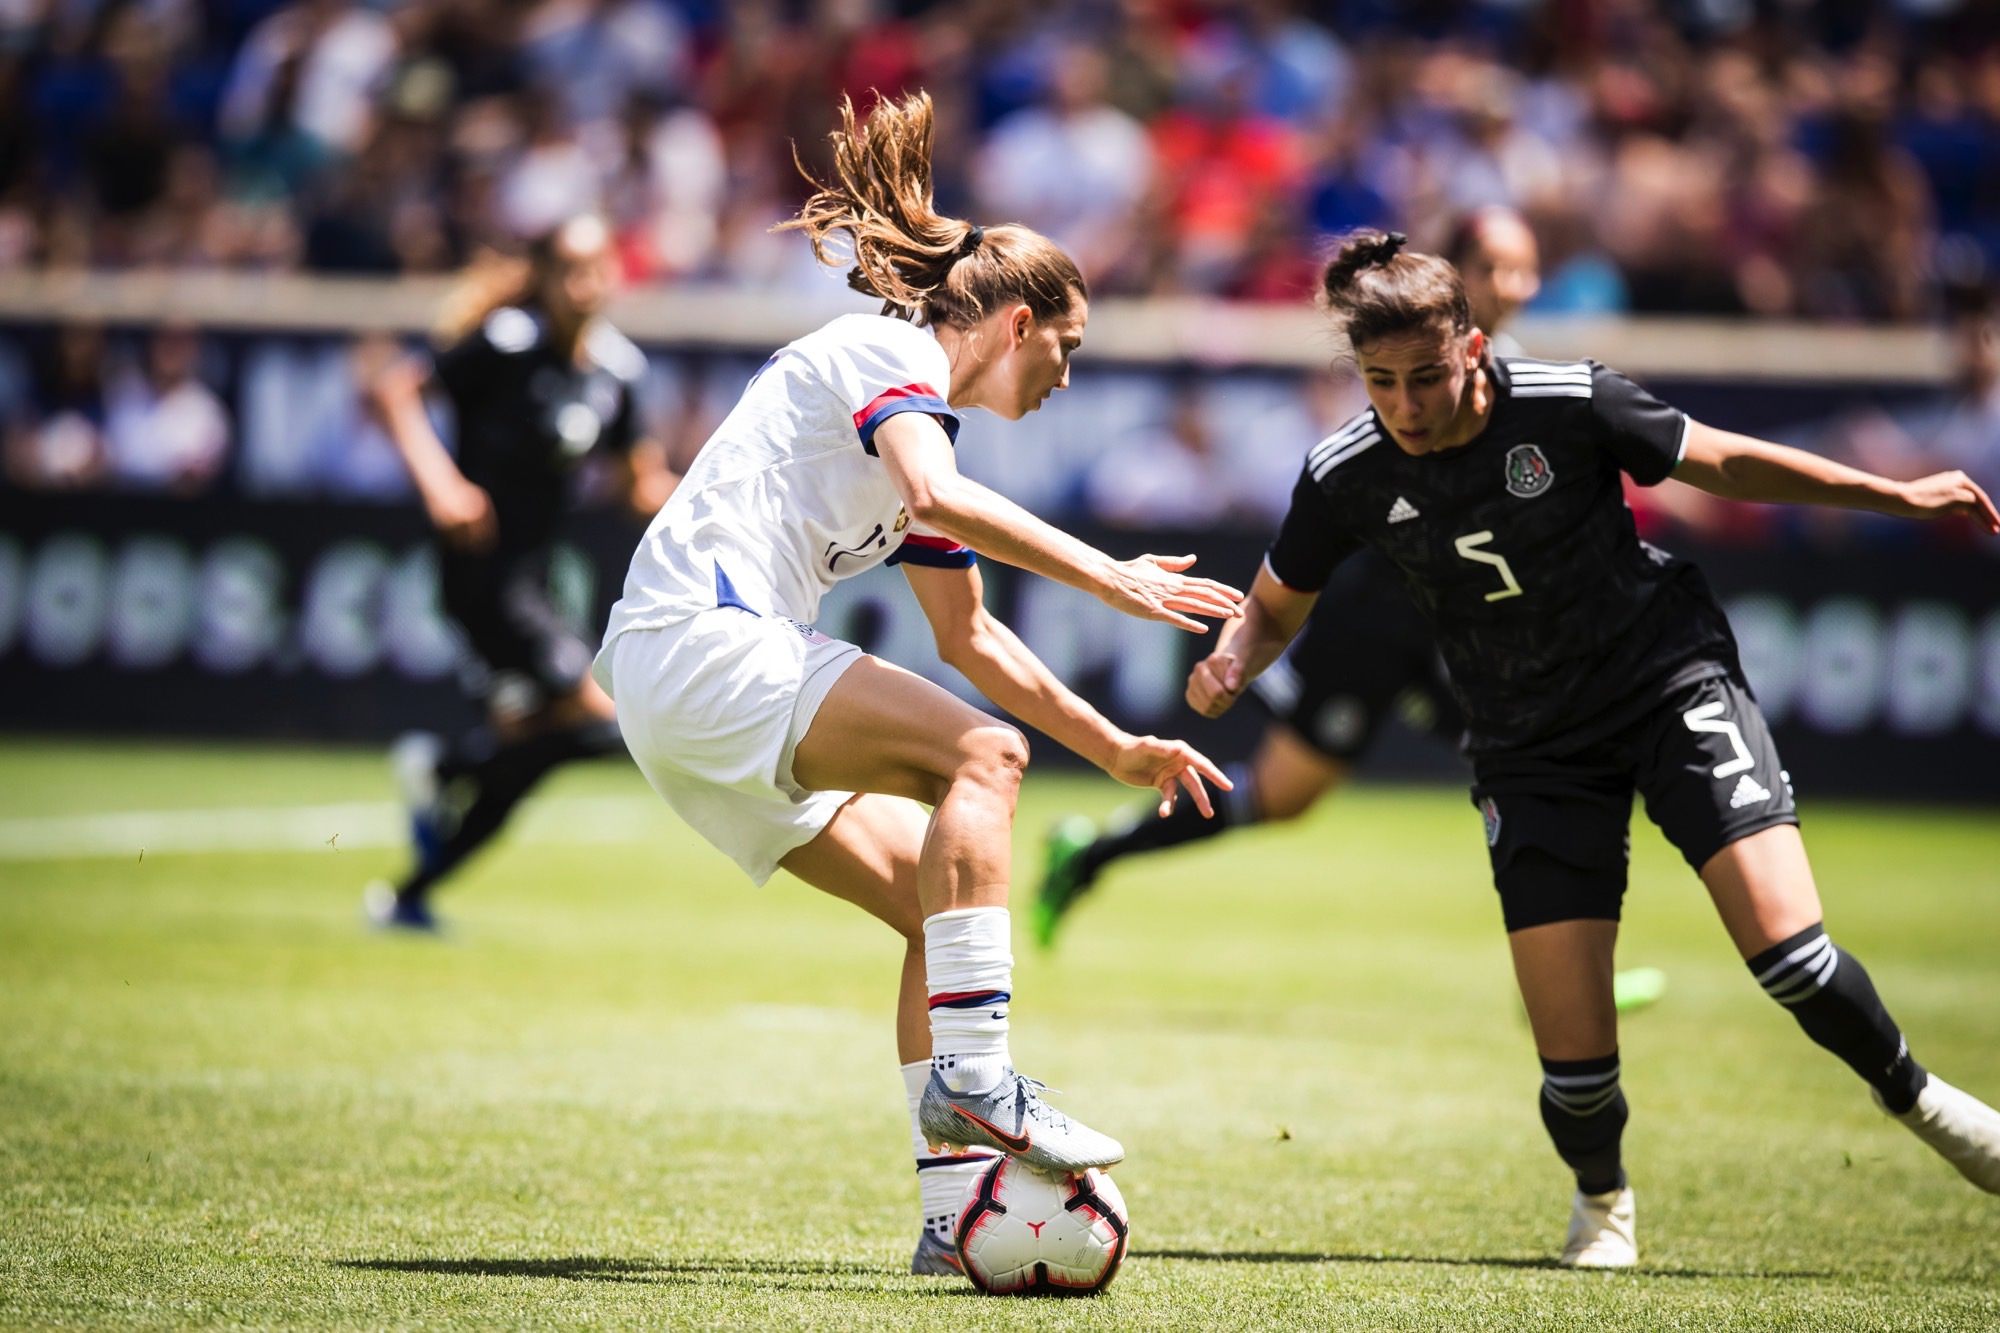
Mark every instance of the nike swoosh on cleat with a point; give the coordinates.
(1011, 1142)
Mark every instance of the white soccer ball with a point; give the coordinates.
(1028, 1233)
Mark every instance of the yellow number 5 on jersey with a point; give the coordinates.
(1466, 545)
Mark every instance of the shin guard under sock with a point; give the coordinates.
(1584, 1110)
(1829, 992)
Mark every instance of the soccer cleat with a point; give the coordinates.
(1012, 1117)
(389, 911)
(1959, 1128)
(1601, 1231)
(414, 761)
(935, 1257)
(1064, 876)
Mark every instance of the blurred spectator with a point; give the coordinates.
(1785, 160)
(56, 442)
(1957, 430)
(317, 65)
(1222, 165)
(1196, 466)
(1076, 169)
(664, 197)
(164, 430)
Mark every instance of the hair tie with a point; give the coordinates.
(975, 236)
(1387, 249)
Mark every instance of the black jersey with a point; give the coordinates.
(1518, 547)
(527, 413)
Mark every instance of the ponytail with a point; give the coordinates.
(1375, 290)
(924, 266)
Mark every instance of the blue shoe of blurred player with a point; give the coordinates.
(414, 761)
(387, 911)
(935, 1257)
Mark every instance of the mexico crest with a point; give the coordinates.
(1528, 472)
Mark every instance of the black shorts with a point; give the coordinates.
(523, 649)
(1559, 827)
(1366, 655)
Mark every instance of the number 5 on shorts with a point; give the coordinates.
(1709, 717)
(1465, 547)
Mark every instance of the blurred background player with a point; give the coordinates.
(537, 381)
(1592, 667)
(785, 747)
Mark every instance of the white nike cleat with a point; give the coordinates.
(1601, 1231)
(1959, 1128)
(1012, 1117)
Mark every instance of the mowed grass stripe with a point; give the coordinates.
(629, 1089)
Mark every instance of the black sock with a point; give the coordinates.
(1146, 831)
(1584, 1110)
(1829, 992)
(485, 781)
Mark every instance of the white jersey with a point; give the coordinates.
(788, 497)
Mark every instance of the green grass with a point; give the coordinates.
(629, 1089)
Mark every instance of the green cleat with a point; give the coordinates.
(1064, 879)
(1637, 988)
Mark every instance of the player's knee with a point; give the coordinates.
(995, 756)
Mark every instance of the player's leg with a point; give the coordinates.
(1559, 865)
(1328, 696)
(543, 711)
(1282, 780)
(1762, 886)
(885, 730)
(868, 855)
(1718, 791)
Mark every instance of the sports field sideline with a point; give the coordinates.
(629, 1089)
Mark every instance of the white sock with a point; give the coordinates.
(969, 972)
(942, 1182)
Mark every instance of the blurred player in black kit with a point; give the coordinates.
(1591, 667)
(537, 381)
(1366, 654)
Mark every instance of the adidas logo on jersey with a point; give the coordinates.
(1747, 793)
(1402, 511)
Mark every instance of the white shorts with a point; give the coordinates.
(712, 708)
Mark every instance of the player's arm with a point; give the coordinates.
(645, 478)
(458, 509)
(1738, 467)
(973, 641)
(925, 473)
(1272, 616)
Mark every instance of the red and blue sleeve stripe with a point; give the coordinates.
(905, 398)
(932, 553)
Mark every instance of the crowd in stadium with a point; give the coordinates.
(1815, 159)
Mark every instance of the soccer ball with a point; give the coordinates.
(1028, 1233)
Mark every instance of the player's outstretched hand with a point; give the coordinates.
(1215, 684)
(1950, 493)
(1167, 766)
(1152, 587)
(463, 516)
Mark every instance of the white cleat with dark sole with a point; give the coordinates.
(1012, 1117)
(1602, 1232)
(1959, 1128)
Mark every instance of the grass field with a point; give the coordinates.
(628, 1089)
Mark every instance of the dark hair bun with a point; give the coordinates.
(1380, 248)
